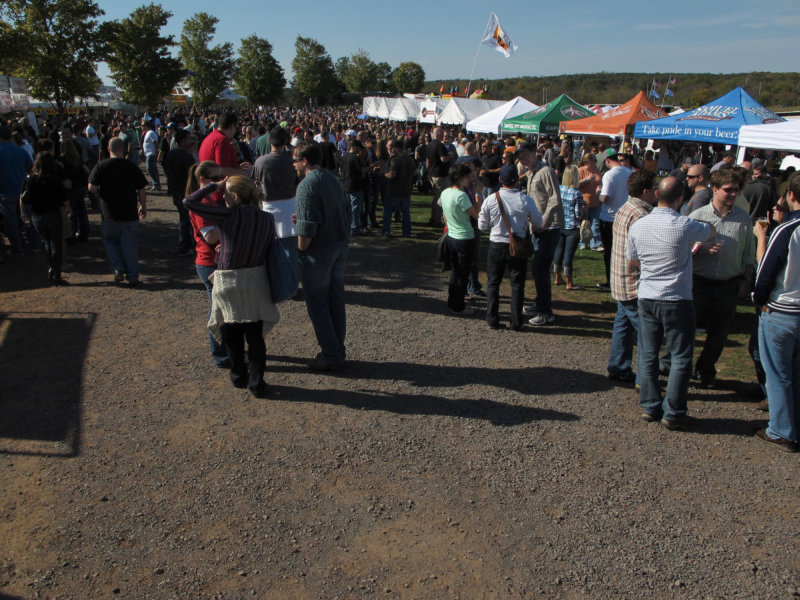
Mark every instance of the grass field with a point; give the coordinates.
(589, 313)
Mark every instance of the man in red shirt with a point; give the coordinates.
(218, 147)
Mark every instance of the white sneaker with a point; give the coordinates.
(542, 319)
(529, 310)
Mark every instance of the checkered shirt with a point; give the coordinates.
(625, 281)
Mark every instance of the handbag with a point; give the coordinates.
(281, 273)
(586, 232)
(443, 253)
(518, 247)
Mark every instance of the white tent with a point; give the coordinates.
(460, 110)
(405, 109)
(370, 108)
(384, 107)
(490, 122)
(773, 136)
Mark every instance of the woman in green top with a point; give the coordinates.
(457, 209)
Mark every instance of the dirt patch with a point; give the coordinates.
(447, 460)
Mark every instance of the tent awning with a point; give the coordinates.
(545, 119)
(617, 121)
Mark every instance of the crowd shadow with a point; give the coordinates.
(534, 381)
(497, 413)
(40, 402)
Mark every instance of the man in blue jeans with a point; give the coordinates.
(543, 188)
(777, 292)
(14, 166)
(123, 201)
(323, 233)
(625, 281)
(660, 247)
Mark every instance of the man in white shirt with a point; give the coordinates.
(613, 194)
(150, 146)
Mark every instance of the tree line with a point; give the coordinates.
(777, 91)
(56, 46)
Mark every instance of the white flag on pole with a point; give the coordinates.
(496, 37)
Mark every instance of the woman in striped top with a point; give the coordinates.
(241, 305)
(574, 206)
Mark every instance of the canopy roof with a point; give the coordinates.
(616, 121)
(716, 122)
(384, 107)
(405, 109)
(490, 122)
(545, 119)
(774, 136)
(460, 110)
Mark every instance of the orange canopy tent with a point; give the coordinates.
(619, 121)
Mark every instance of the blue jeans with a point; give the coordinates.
(593, 214)
(152, 169)
(357, 205)
(10, 209)
(565, 251)
(779, 348)
(185, 238)
(623, 338)
(675, 322)
(218, 351)
(121, 239)
(392, 204)
(323, 286)
(542, 259)
(473, 281)
(80, 218)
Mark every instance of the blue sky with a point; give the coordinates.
(553, 37)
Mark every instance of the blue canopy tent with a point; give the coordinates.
(717, 122)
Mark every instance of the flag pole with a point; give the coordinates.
(475, 62)
(665, 91)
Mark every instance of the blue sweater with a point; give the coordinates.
(778, 278)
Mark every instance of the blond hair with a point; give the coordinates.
(571, 178)
(245, 190)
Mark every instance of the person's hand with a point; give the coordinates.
(244, 166)
(744, 289)
(710, 247)
(760, 229)
(294, 219)
(142, 212)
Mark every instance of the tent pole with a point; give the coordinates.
(474, 62)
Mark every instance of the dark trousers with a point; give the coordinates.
(607, 235)
(461, 258)
(50, 227)
(497, 261)
(715, 306)
(234, 336)
(542, 261)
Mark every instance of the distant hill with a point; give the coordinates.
(777, 91)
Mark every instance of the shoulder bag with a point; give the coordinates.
(518, 247)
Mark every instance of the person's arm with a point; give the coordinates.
(553, 197)
(213, 213)
(303, 242)
(773, 260)
(760, 231)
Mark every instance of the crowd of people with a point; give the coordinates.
(685, 233)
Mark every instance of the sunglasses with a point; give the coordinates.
(217, 178)
(692, 176)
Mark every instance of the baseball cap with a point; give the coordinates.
(509, 175)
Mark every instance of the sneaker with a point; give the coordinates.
(781, 443)
(684, 423)
(119, 276)
(529, 310)
(479, 293)
(320, 364)
(600, 249)
(542, 319)
(649, 417)
(604, 285)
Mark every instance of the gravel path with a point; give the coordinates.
(447, 460)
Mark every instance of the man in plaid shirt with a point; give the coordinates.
(624, 280)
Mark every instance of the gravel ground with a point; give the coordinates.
(447, 460)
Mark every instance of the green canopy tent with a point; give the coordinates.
(545, 119)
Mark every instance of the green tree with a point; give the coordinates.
(314, 77)
(209, 69)
(409, 77)
(361, 74)
(340, 67)
(384, 77)
(258, 74)
(61, 41)
(139, 58)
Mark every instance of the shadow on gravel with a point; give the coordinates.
(7, 597)
(534, 381)
(742, 427)
(40, 402)
(497, 413)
